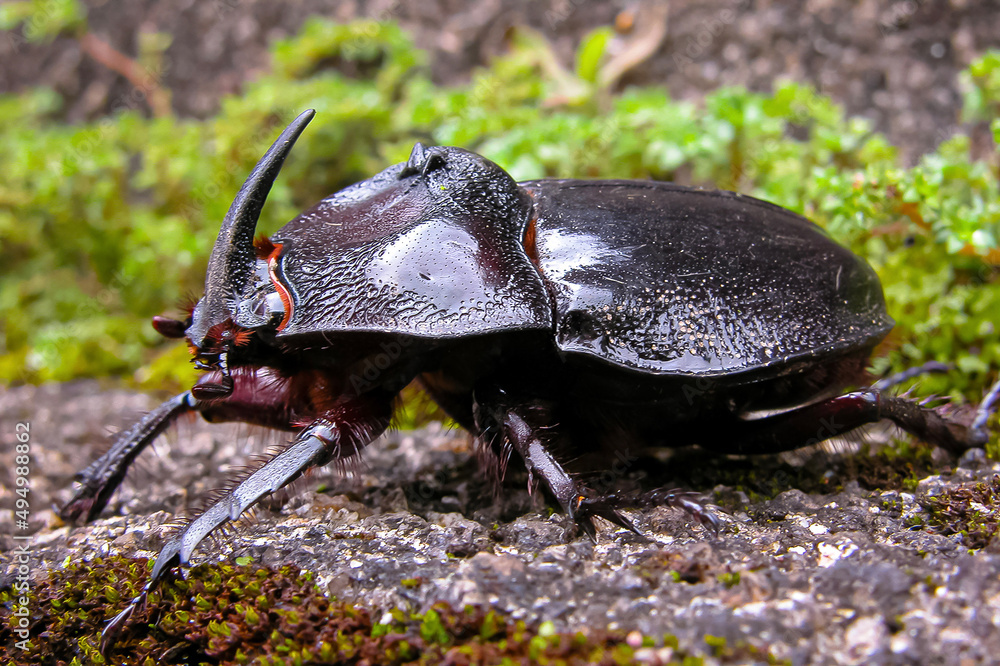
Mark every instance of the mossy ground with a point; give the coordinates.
(245, 614)
(121, 246)
(972, 511)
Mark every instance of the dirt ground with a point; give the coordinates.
(893, 61)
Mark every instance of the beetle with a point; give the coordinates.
(546, 317)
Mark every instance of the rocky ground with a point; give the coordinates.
(851, 575)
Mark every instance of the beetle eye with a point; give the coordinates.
(268, 308)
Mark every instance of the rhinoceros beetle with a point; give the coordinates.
(549, 318)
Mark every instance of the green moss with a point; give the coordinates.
(899, 466)
(674, 567)
(740, 652)
(972, 511)
(717, 643)
(729, 579)
(205, 619)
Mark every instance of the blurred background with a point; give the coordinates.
(127, 128)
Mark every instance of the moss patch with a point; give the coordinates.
(900, 466)
(246, 614)
(971, 511)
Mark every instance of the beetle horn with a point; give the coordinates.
(232, 261)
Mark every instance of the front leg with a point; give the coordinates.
(341, 432)
(523, 426)
(259, 397)
(100, 478)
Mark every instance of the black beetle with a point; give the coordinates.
(544, 316)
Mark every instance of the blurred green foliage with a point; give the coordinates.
(41, 20)
(105, 224)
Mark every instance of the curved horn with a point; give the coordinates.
(231, 264)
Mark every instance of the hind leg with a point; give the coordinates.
(836, 416)
(931, 367)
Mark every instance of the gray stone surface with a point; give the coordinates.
(839, 578)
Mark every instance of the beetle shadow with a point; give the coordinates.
(876, 458)
(452, 481)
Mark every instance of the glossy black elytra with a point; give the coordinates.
(545, 316)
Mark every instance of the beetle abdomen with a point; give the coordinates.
(673, 280)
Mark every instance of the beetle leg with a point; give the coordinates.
(931, 367)
(100, 479)
(342, 432)
(679, 499)
(258, 397)
(674, 498)
(571, 495)
(978, 434)
(820, 421)
(575, 499)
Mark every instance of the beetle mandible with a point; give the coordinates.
(542, 316)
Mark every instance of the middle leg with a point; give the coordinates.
(340, 432)
(526, 426)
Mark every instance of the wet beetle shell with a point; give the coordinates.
(649, 276)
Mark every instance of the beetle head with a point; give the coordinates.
(211, 329)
